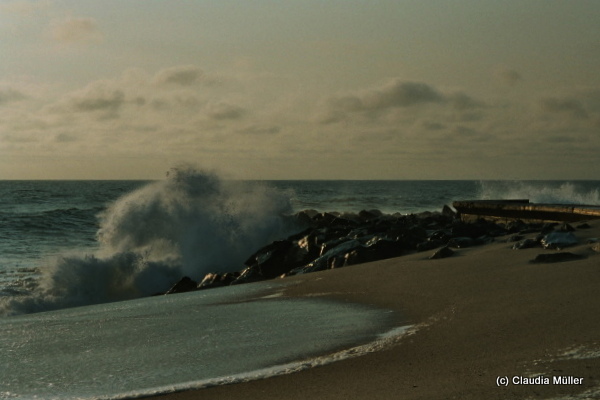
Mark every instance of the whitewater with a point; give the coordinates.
(80, 261)
(65, 244)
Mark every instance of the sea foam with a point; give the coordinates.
(190, 224)
(540, 192)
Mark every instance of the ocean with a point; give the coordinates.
(79, 260)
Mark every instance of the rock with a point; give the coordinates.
(556, 257)
(248, 275)
(525, 244)
(185, 284)
(369, 215)
(441, 235)
(474, 230)
(559, 240)
(566, 228)
(461, 242)
(417, 232)
(360, 255)
(304, 219)
(596, 247)
(311, 244)
(448, 212)
(386, 248)
(325, 247)
(548, 227)
(275, 259)
(514, 238)
(323, 220)
(442, 253)
(212, 280)
(516, 226)
(429, 245)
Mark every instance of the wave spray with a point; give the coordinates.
(191, 223)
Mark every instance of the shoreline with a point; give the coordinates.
(486, 313)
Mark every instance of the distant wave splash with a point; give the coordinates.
(541, 192)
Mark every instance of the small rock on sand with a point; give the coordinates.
(556, 257)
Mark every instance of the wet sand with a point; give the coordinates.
(483, 314)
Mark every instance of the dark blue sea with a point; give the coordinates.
(79, 260)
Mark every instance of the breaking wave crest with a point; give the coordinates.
(190, 224)
(541, 192)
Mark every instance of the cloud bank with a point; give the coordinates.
(179, 113)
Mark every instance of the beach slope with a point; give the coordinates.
(491, 324)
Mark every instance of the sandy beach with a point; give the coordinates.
(484, 316)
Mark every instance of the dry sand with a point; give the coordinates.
(484, 313)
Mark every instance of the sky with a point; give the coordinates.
(300, 89)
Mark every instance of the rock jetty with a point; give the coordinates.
(328, 240)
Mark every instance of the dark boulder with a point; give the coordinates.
(525, 244)
(443, 252)
(429, 245)
(559, 240)
(212, 280)
(441, 235)
(185, 284)
(514, 238)
(311, 244)
(516, 226)
(548, 227)
(380, 250)
(249, 275)
(448, 212)
(365, 215)
(275, 259)
(566, 228)
(461, 242)
(556, 257)
(327, 246)
(462, 229)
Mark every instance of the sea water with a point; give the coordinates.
(70, 243)
(165, 344)
(79, 260)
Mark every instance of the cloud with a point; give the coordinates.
(570, 107)
(224, 111)
(184, 75)
(469, 134)
(508, 77)
(75, 30)
(100, 97)
(396, 95)
(9, 95)
(64, 138)
(392, 95)
(260, 130)
(432, 126)
(24, 8)
(462, 102)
